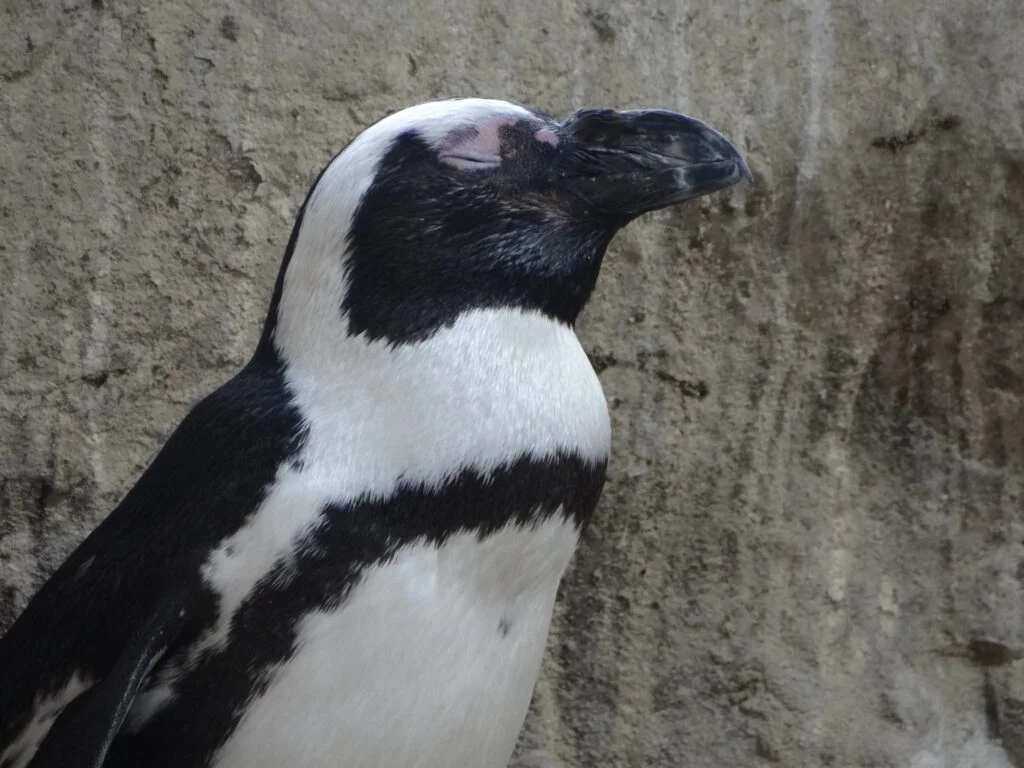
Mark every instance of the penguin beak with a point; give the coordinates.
(623, 164)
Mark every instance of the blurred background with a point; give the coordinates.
(810, 551)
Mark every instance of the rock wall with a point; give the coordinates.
(811, 548)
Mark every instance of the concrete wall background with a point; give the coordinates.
(811, 549)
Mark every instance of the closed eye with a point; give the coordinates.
(470, 161)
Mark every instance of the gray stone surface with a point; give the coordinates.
(811, 549)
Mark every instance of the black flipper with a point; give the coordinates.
(82, 734)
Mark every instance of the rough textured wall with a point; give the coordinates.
(811, 549)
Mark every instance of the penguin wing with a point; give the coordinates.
(132, 590)
(81, 736)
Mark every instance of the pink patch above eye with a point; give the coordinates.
(547, 136)
(477, 149)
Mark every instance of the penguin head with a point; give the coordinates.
(465, 204)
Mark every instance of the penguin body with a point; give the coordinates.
(349, 553)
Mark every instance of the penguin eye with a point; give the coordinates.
(470, 161)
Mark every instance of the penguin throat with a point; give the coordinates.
(406, 297)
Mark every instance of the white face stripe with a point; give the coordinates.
(314, 285)
(434, 121)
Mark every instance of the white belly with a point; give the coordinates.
(430, 662)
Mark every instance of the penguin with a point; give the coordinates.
(348, 554)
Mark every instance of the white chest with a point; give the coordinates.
(431, 659)
(430, 663)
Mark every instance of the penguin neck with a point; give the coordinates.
(490, 386)
(317, 246)
(495, 385)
